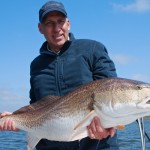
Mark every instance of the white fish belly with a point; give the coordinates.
(60, 129)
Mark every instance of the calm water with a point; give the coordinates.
(129, 138)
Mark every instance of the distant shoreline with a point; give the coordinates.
(147, 117)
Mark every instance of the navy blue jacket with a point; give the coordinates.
(79, 61)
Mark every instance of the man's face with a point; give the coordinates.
(55, 28)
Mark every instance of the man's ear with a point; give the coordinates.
(68, 22)
(40, 28)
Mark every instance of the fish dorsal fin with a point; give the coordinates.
(44, 102)
(37, 105)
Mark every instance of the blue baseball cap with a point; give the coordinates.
(51, 6)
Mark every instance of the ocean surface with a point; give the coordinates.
(128, 139)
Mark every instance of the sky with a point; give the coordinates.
(123, 26)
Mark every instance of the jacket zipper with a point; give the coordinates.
(58, 75)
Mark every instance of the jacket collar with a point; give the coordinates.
(44, 50)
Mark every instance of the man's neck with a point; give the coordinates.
(57, 51)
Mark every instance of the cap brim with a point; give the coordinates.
(51, 10)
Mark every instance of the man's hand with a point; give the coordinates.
(9, 124)
(96, 131)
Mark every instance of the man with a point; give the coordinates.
(64, 64)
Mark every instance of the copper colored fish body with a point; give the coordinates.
(116, 101)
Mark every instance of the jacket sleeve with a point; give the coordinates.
(103, 66)
(31, 92)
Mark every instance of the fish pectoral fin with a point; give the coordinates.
(31, 141)
(79, 134)
(88, 118)
(80, 130)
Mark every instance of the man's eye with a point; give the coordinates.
(52, 23)
(49, 23)
(61, 22)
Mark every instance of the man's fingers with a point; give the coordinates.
(5, 125)
(96, 131)
(93, 126)
(98, 125)
(8, 124)
(91, 135)
(112, 131)
(5, 114)
(13, 127)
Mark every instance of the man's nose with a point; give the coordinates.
(57, 27)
